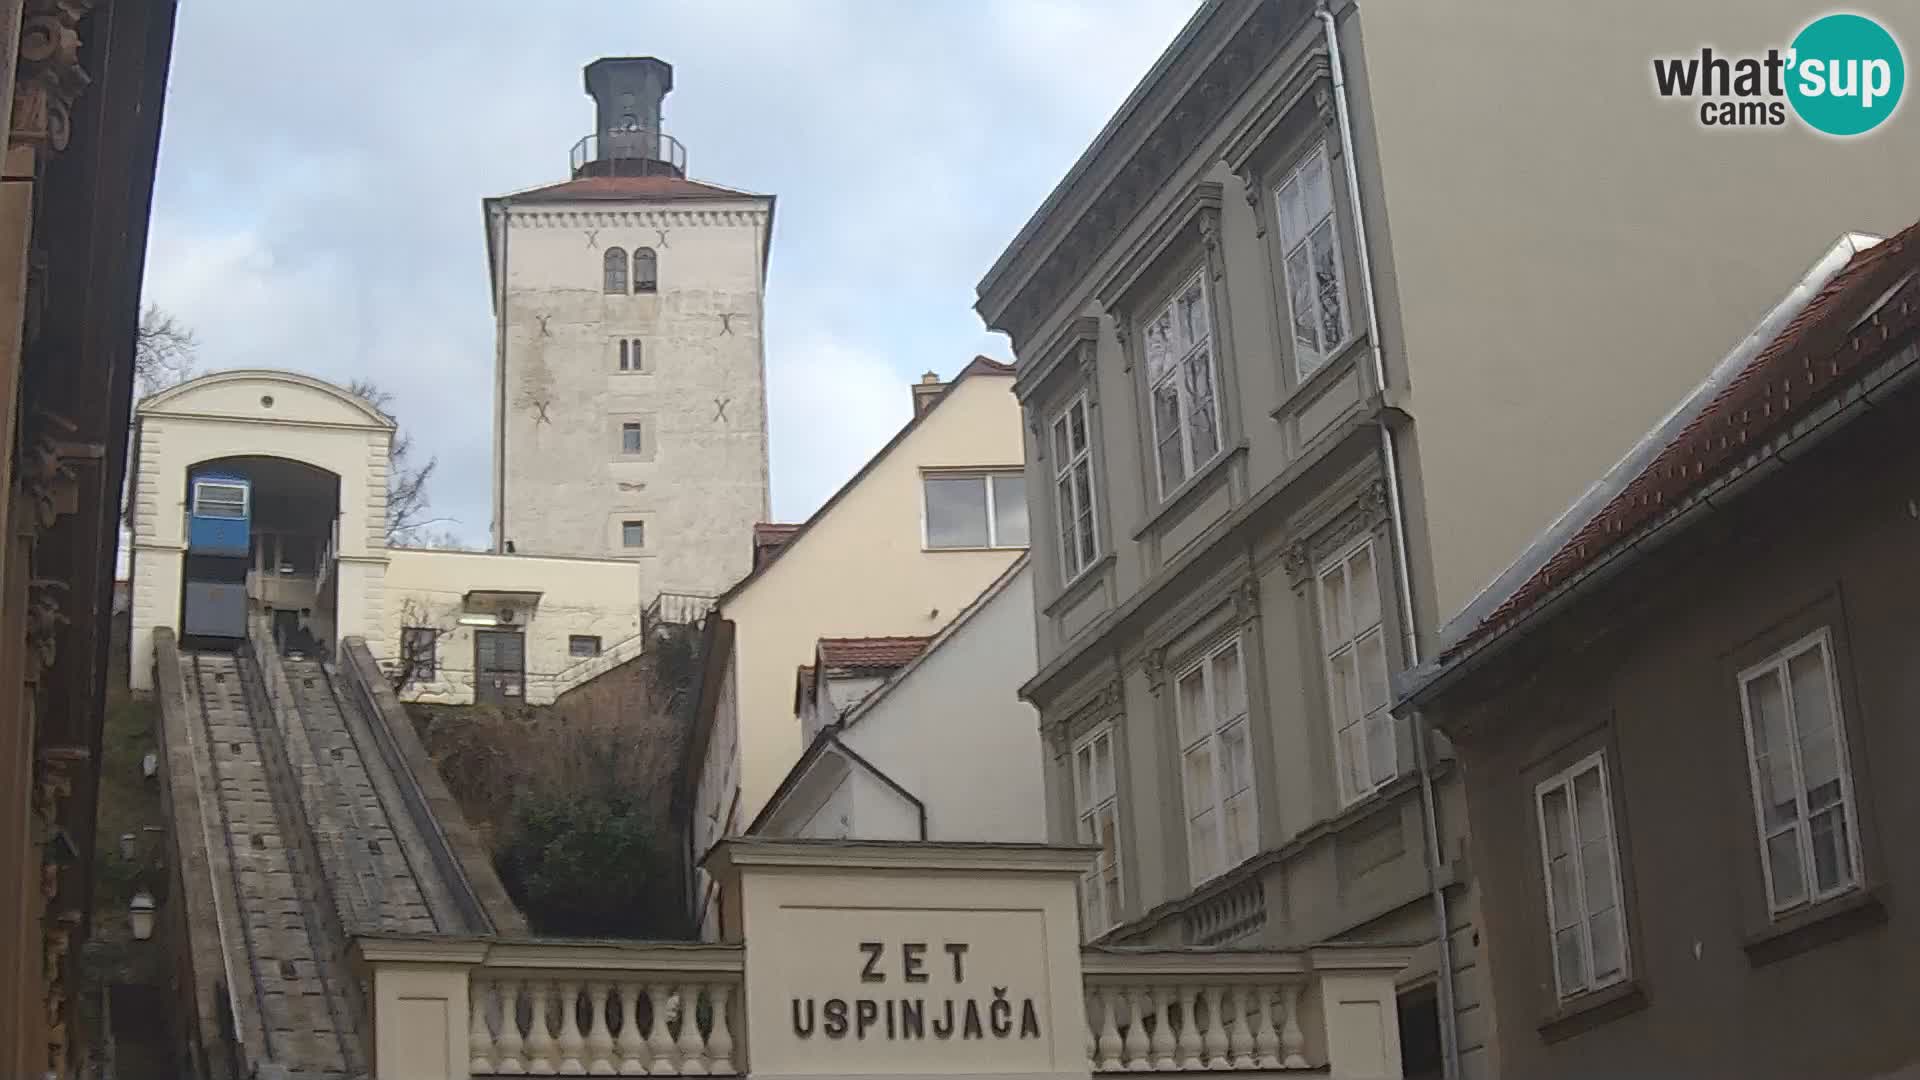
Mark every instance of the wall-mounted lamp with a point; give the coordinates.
(479, 620)
(140, 914)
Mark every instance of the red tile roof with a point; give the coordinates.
(627, 187)
(1816, 355)
(871, 652)
(771, 534)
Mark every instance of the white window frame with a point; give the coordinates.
(1210, 733)
(246, 497)
(1066, 470)
(1564, 779)
(1331, 650)
(1088, 808)
(1777, 665)
(1305, 366)
(1203, 352)
(986, 478)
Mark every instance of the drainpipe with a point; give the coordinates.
(1396, 510)
(505, 210)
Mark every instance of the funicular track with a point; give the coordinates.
(304, 1002)
(369, 844)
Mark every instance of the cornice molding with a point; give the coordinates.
(526, 218)
(1172, 142)
(1197, 209)
(1075, 343)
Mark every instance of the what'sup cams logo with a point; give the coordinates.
(1842, 75)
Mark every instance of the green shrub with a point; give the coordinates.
(588, 863)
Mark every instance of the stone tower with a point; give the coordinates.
(630, 398)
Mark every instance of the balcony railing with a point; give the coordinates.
(628, 152)
(674, 609)
(597, 1008)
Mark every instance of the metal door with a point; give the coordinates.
(499, 666)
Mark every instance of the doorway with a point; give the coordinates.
(499, 666)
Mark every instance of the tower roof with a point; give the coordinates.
(614, 188)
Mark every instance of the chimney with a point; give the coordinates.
(926, 392)
(627, 92)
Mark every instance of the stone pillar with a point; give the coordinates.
(420, 1018)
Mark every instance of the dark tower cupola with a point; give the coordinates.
(628, 139)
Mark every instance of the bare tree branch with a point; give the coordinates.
(407, 479)
(164, 350)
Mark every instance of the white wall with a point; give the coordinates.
(577, 596)
(953, 731)
(700, 482)
(249, 412)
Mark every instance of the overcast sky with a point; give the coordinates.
(322, 166)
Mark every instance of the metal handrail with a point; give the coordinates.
(629, 144)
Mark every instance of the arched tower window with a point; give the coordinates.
(614, 267)
(646, 275)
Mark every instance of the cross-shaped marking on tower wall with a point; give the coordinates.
(726, 321)
(593, 238)
(662, 234)
(544, 332)
(720, 407)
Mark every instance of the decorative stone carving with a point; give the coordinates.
(1323, 104)
(49, 77)
(1251, 189)
(1297, 561)
(1372, 502)
(1246, 601)
(1123, 333)
(1210, 242)
(1154, 664)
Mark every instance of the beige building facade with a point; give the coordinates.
(1306, 348)
(878, 558)
(630, 403)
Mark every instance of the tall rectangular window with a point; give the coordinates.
(1180, 378)
(417, 651)
(633, 534)
(1581, 857)
(1216, 763)
(630, 437)
(1096, 806)
(1802, 785)
(981, 510)
(1073, 488)
(1356, 657)
(1310, 248)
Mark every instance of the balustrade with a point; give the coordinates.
(606, 1024)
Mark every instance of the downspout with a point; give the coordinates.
(503, 209)
(1396, 510)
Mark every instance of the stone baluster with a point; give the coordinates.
(633, 1047)
(658, 1041)
(1136, 1044)
(692, 1045)
(1092, 1004)
(541, 1057)
(599, 1038)
(1162, 1028)
(1216, 1039)
(570, 1044)
(1266, 1044)
(1293, 1041)
(479, 1036)
(507, 1046)
(1190, 1028)
(1239, 1038)
(1109, 1032)
(720, 1041)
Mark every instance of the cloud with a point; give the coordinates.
(322, 166)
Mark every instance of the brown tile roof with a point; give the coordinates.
(981, 365)
(768, 538)
(1816, 355)
(628, 187)
(869, 653)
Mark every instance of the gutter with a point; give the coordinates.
(1403, 578)
(505, 210)
(1898, 373)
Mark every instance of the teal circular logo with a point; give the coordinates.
(1845, 74)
